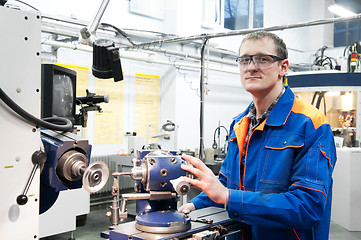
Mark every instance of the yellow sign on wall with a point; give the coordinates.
(108, 125)
(146, 112)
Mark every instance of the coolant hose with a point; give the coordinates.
(65, 124)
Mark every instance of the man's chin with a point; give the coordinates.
(253, 88)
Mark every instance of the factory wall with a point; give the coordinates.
(283, 12)
(130, 68)
(179, 101)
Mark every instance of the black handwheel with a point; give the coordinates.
(22, 199)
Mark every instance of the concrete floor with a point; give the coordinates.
(97, 222)
(339, 233)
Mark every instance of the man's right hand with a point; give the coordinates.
(188, 207)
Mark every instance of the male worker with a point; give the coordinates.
(277, 176)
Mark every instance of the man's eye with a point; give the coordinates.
(263, 59)
(244, 60)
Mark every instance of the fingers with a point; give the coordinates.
(193, 170)
(198, 164)
(195, 162)
(195, 183)
(197, 168)
(187, 207)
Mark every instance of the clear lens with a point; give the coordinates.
(260, 61)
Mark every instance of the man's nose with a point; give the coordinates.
(252, 65)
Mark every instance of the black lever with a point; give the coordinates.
(38, 158)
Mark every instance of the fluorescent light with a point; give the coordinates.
(340, 11)
(333, 93)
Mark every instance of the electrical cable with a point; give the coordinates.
(178, 67)
(121, 32)
(324, 60)
(321, 95)
(214, 146)
(66, 124)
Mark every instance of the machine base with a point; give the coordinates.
(219, 216)
(162, 222)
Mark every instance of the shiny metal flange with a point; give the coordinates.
(172, 228)
(95, 176)
(71, 165)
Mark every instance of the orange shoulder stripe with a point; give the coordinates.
(310, 111)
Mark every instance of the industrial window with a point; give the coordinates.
(212, 13)
(346, 33)
(258, 14)
(241, 14)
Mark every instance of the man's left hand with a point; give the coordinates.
(207, 181)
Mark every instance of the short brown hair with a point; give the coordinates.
(281, 48)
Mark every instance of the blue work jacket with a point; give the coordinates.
(285, 188)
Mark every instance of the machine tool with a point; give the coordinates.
(67, 167)
(159, 181)
(31, 151)
(159, 178)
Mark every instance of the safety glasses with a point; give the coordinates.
(260, 61)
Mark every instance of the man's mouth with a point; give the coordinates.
(252, 77)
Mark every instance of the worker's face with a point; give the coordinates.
(260, 80)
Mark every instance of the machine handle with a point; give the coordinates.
(38, 158)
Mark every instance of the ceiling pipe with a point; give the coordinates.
(144, 58)
(247, 31)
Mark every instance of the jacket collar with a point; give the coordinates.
(279, 113)
(282, 110)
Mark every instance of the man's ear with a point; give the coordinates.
(284, 67)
